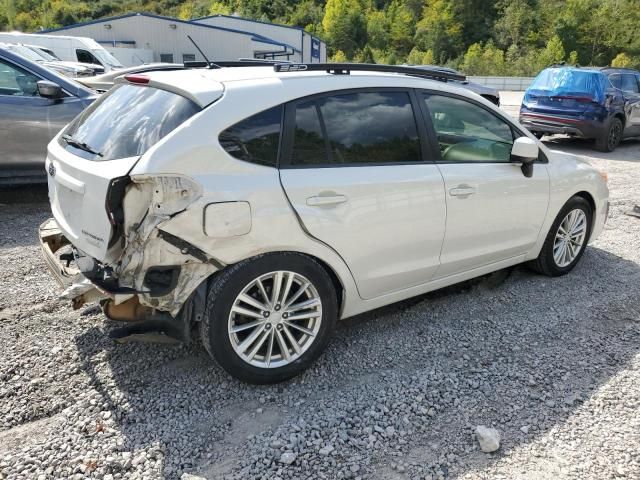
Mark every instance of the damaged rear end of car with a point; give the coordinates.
(105, 242)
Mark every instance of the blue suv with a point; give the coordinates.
(594, 103)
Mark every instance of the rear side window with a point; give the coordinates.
(356, 128)
(126, 122)
(85, 56)
(629, 83)
(255, 139)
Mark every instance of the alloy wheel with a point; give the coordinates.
(275, 319)
(570, 237)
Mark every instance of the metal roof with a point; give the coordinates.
(254, 36)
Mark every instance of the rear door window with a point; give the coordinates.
(356, 128)
(126, 122)
(255, 139)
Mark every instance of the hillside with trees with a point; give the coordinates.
(503, 37)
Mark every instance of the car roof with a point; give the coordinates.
(618, 70)
(204, 85)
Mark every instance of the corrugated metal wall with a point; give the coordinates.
(280, 33)
(158, 35)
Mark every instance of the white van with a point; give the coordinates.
(74, 49)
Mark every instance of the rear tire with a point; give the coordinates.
(565, 236)
(257, 297)
(611, 138)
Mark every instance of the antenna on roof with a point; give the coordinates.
(210, 64)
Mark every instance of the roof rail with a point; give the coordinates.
(243, 62)
(347, 68)
(619, 68)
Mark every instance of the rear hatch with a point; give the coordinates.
(99, 148)
(565, 91)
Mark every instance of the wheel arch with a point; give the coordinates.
(336, 280)
(620, 116)
(592, 203)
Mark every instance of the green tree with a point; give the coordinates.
(10, 13)
(428, 58)
(366, 55)
(483, 60)
(402, 27)
(439, 31)
(219, 8)
(553, 52)
(377, 29)
(514, 23)
(573, 58)
(339, 57)
(344, 25)
(622, 60)
(308, 14)
(415, 56)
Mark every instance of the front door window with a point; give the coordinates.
(467, 132)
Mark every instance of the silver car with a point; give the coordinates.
(35, 103)
(68, 69)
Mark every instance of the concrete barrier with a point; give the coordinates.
(516, 84)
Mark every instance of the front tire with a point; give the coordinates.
(566, 240)
(268, 318)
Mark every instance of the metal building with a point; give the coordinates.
(137, 38)
(310, 48)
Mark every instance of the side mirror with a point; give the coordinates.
(525, 151)
(49, 89)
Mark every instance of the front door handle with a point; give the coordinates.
(322, 200)
(462, 191)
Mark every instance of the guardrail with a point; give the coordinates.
(503, 83)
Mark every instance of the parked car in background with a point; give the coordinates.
(73, 49)
(256, 206)
(104, 82)
(35, 103)
(593, 103)
(68, 69)
(49, 56)
(490, 93)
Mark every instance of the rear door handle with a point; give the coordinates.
(462, 191)
(322, 200)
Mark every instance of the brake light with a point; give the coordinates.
(577, 98)
(139, 79)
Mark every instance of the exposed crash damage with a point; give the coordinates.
(153, 279)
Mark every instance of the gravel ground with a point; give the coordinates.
(552, 364)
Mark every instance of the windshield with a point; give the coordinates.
(126, 122)
(570, 82)
(26, 53)
(49, 52)
(43, 54)
(106, 57)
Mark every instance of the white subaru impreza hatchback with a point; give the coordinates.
(255, 206)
